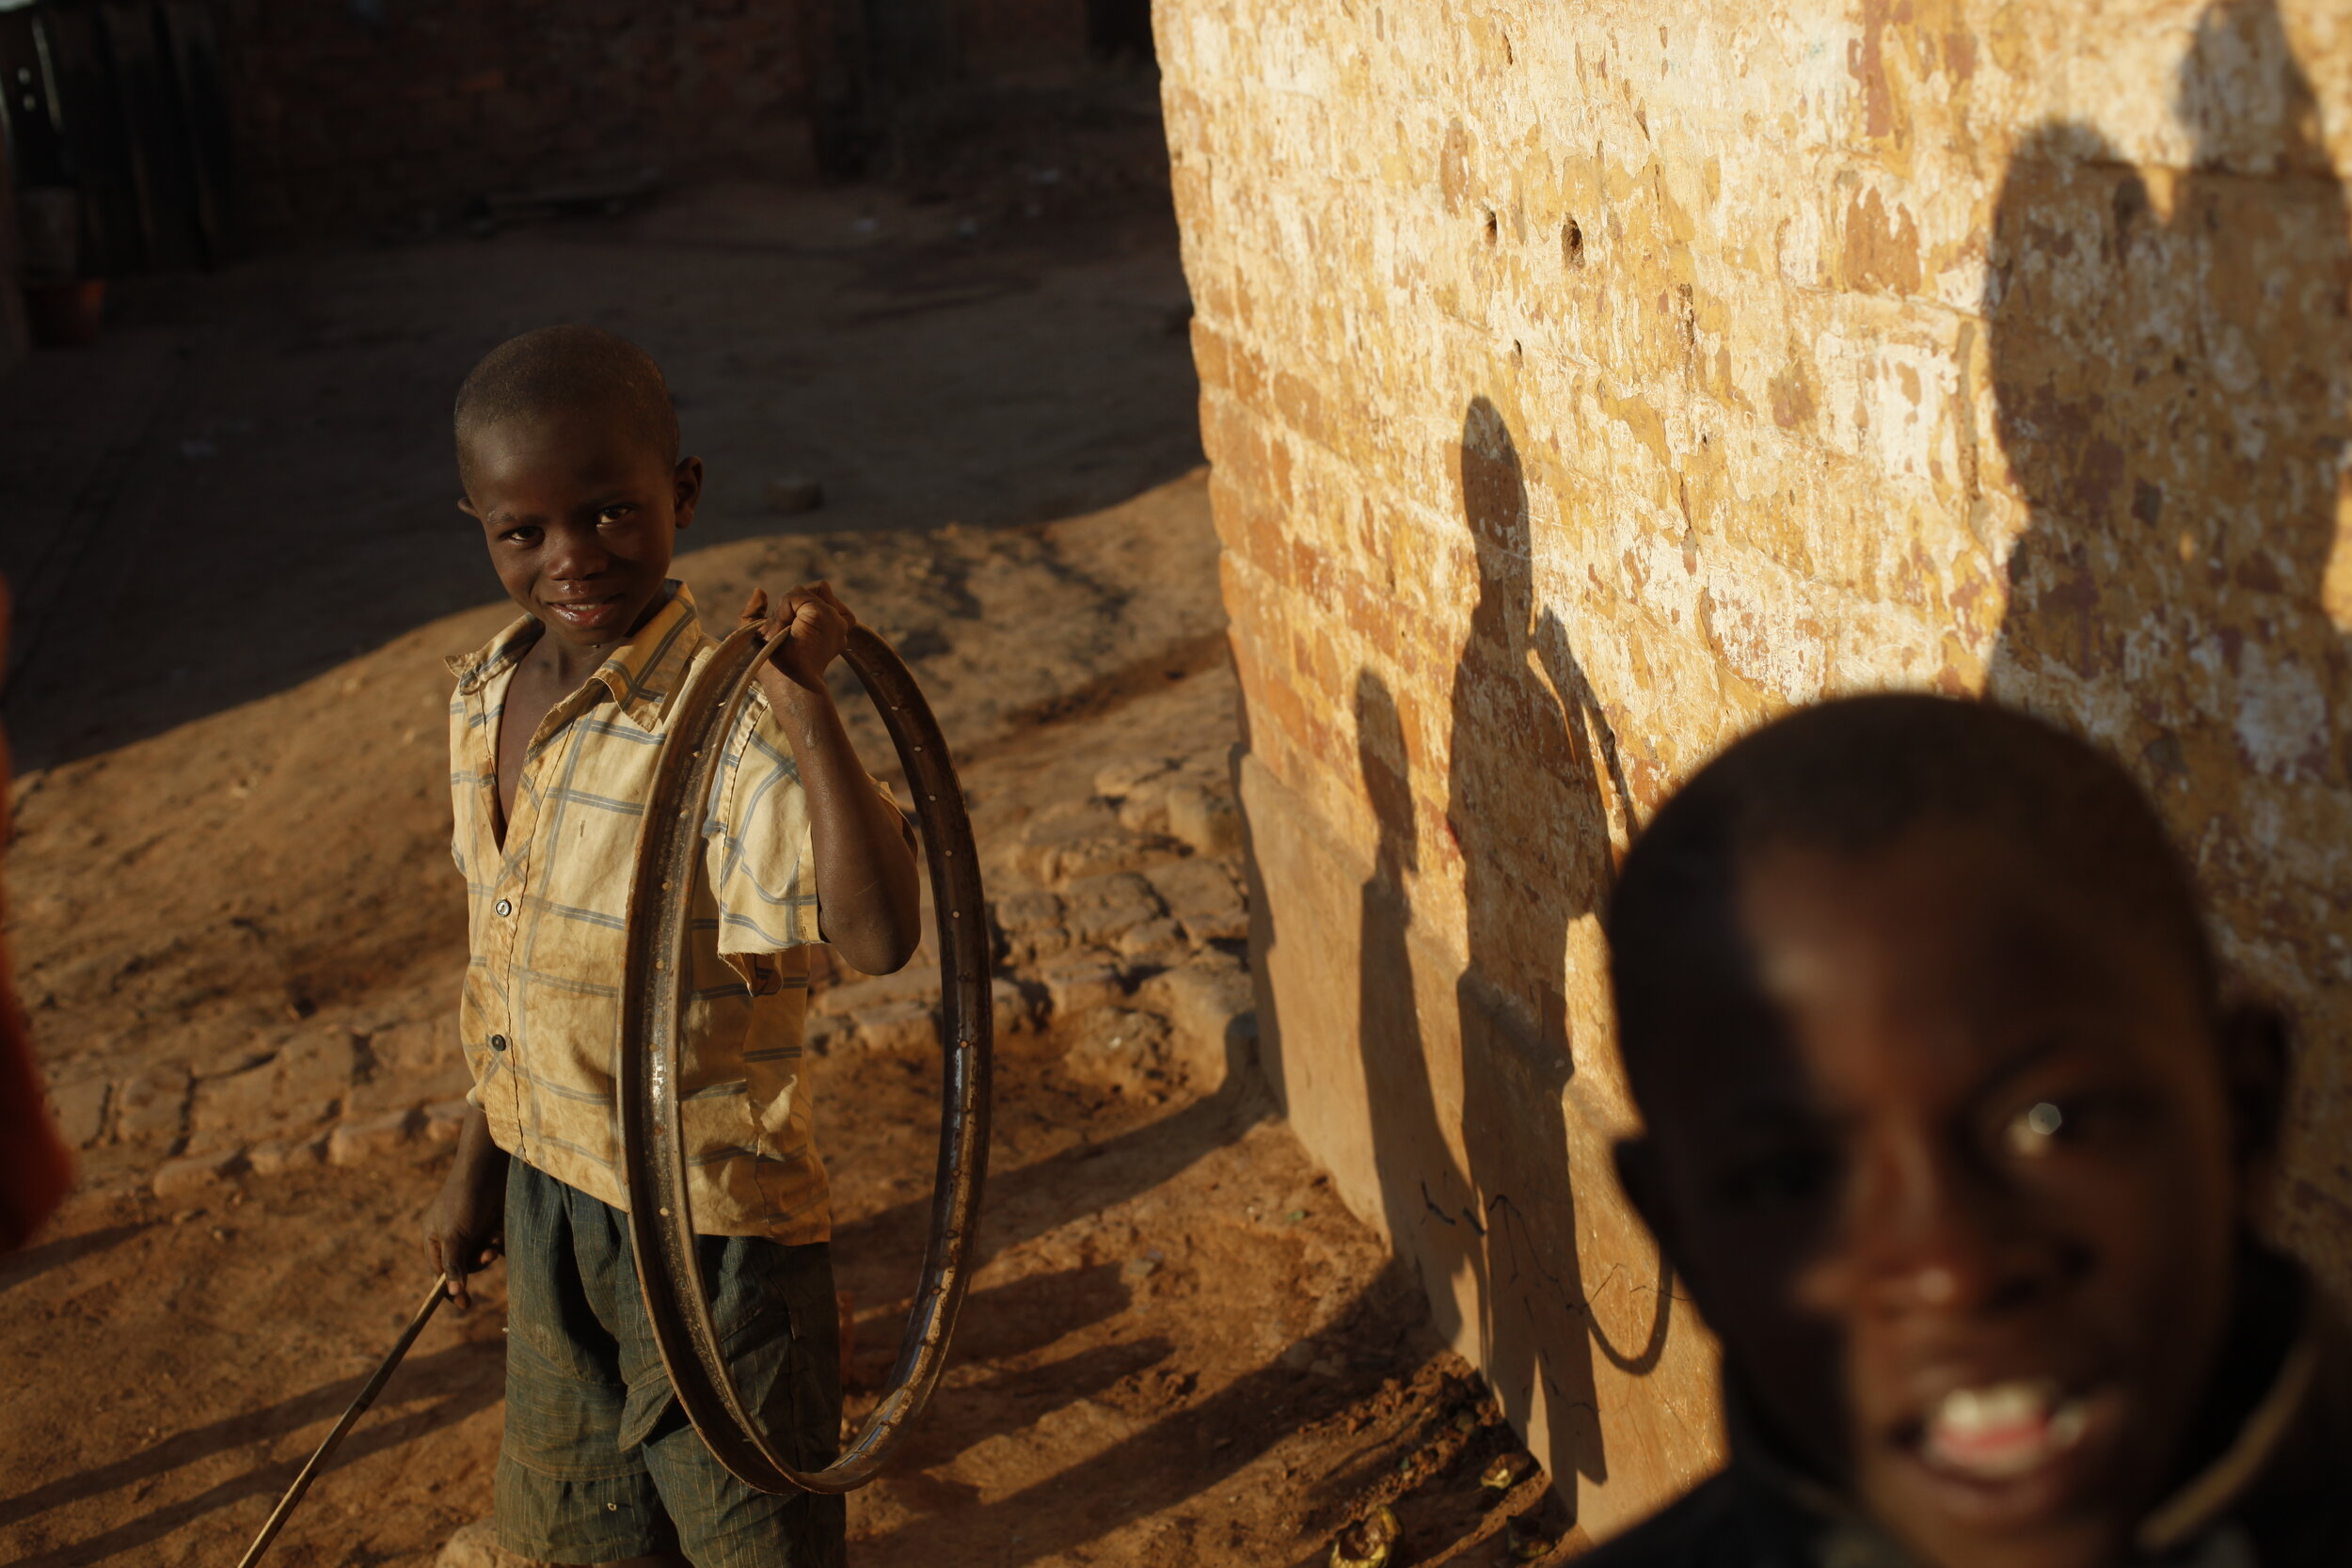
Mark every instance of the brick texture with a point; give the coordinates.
(1587, 384)
(351, 117)
(356, 115)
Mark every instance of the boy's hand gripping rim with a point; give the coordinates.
(653, 990)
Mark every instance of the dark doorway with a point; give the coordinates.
(123, 105)
(910, 44)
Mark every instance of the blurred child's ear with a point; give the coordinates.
(2254, 1067)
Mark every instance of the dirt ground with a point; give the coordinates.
(239, 934)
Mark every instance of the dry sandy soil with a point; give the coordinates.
(239, 935)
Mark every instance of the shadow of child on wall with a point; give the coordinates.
(2170, 392)
(1423, 1192)
(1527, 813)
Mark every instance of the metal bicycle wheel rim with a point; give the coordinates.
(654, 976)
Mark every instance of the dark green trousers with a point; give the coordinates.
(598, 1460)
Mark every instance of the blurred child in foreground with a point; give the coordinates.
(1956, 1143)
(35, 1168)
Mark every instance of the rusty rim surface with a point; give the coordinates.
(653, 983)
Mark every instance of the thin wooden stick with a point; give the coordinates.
(351, 1417)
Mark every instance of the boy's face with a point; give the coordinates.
(1958, 1180)
(581, 513)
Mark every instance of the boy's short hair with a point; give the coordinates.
(1850, 777)
(568, 367)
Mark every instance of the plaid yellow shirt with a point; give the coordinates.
(540, 1018)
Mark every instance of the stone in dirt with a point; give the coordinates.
(80, 1110)
(356, 1142)
(476, 1545)
(196, 1173)
(905, 1018)
(1152, 939)
(288, 1079)
(1083, 838)
(855, 997)
(1119, 779)
(1011, 1008)
(1027, 949)
(1206, 818)
(899, 1024)
(1081, 986)
(1203, 896)
(387, 1092)
(1214, 1008)
(1026, 912)
(1119, 1044)
(154, 1104)
(273, 1156)
(1140, 790)
(444, 1120)
(416, 1047)
(1102, 909)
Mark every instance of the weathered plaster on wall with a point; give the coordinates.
(1587, 383)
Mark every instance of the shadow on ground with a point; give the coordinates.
(248, 480)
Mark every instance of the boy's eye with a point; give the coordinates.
(2081, 1121)
(525, 534)
(615, 514)
(2034, 1130)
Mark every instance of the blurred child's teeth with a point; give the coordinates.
(2005, 1430)
(2004, 1405)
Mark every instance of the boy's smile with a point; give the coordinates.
(581, 515)
(1960, 1181)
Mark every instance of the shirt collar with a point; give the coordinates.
(642, 674)
(473, 671)
(646, 671)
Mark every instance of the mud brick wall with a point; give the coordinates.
(353, 114)
(1586, 384)
(356, 115)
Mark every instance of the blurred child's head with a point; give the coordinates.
(568, 449)
(1948, 1130)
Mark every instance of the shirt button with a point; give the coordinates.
(497, 1042)
(505, 909)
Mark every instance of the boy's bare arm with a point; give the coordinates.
(466, 1223)
(868, 894)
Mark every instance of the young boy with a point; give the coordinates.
(568, 449)
(1953, 1141)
